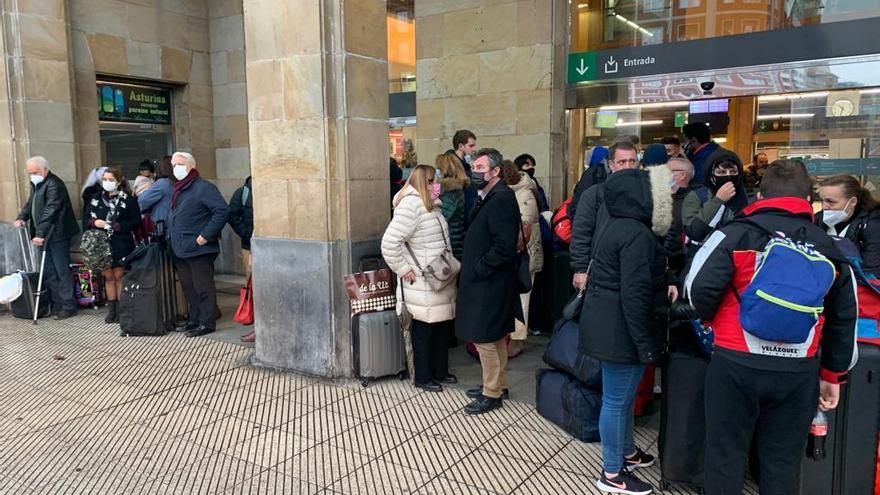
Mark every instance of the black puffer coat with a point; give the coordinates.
(488, 300)
(241, 213)
(620, 321)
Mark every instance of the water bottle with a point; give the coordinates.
(818, 433)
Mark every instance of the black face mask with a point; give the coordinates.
(716, 182)
(530, 171)
(478, 180)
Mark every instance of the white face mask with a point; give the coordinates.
(109, 185)
(36, 179)
(180, 172)
(834, 217)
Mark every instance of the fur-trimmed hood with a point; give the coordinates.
(643, 195)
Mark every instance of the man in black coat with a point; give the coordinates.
(198, 214)
(241, 219)
(49, 217)
(488, 300)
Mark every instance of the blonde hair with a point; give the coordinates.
(420, 179)
(450, 167)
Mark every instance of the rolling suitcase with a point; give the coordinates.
(567, 403)
(562, 354)
(682, 442)
(377, 346)
(141, 308)
(87, 286)
(33, 290)
(851, 444)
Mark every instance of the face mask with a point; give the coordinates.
(478, 180)
(530, 171)
(469, 158)
(180, 172)
(715, 182)
(673, 185)
(834, 217)
(109, 185)
(36, 179)
(435, 192)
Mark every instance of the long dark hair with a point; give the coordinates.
(164, 168)
(117, 174)
(852, 188)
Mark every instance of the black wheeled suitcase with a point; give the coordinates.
(141, 308)
(23, 307)
(682, 443)
(377, 346)
(851, 444)
(567, 403)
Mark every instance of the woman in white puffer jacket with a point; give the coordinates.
(419, 223)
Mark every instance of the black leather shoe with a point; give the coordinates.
(449, 380)
(199, 331)
(63, 315)
(482, 405)
(187, 326)
(476, 393)
(430, 387)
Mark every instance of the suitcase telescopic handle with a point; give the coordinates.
(27, 254)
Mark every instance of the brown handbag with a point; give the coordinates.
(371, 291)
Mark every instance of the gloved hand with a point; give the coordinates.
(682, 311)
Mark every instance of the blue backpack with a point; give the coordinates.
(785, 298)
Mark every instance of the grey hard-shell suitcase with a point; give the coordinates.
(377, 346)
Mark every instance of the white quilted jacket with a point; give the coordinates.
(424, 231)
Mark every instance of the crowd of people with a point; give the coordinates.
(168, 202)
(658, 233)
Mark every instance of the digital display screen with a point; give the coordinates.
(606, 119)
(709, 106)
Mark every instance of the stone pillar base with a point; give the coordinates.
(302, 312)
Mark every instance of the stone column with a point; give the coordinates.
(496, 67)
(36, 104)
(317, 117)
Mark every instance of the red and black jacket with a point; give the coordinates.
(728, 260)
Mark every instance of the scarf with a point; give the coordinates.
(181, 185)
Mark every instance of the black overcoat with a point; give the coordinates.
(488, 301)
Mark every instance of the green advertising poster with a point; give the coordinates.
(138, 104)
(581, 67)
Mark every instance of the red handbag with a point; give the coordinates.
(245, 312)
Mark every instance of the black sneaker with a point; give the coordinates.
(199, 331)
(476, 393)
(624, 482)
(482, 405)
(638, 460)
(63, 315)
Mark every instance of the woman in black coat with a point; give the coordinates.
(622, 319)
(848, 210)
(116, 211)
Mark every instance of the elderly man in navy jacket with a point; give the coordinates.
(198, 214)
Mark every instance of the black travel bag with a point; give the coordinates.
(568, 404)
(851, 444)
(560, 289)
(563, 354)
(142, 310)
(682, 442)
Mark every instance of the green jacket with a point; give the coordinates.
(700, 219)
(452, 206)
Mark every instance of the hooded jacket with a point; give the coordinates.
(595, 173)
(241, 213)
(526, 192)
(726, 264)
(702, 212)
(621, 320)
(452, 205)
(425, 232)
(708, 155)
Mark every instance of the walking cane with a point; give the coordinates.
(40, 276)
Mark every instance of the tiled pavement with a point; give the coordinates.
(83, 410)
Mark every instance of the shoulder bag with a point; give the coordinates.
(442, 270)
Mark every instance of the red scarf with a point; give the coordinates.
(181, 184)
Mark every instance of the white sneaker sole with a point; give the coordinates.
(613, 489)
(639, 466)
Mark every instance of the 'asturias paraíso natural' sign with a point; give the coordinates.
(138, 104)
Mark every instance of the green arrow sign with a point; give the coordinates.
(581, 67)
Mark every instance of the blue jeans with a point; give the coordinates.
(619, 384)
(57, 277)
